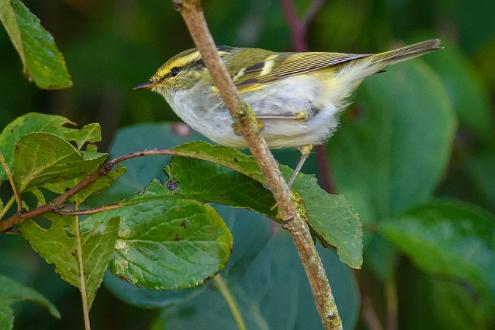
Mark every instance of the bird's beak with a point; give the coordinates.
(146, 85)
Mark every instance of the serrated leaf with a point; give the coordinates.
(42, 158)
(168, 243)
(88, 134)
(29, 123)
(333, 219)
(12, 292)
(58, 246)
(448, 238)
(224, 156)
(96, 187)
(390, 156)
(331, 216)
(251, 232)
(41, 59)
(205, 181)
(205, 187)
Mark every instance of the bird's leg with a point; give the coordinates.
(302, 116)
(305, 152)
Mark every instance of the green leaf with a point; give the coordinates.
(231, 187)
(142, 170)
(96, 187)
(166, 243)
(228, 157)
(41, 59)
(12, 292)
(479, 170)
(30, 123)
(469, 97)
(448, 238)
(389, 155)
(251, 232)
(330, 216)
(205, 181)
(333, 219)
(272, 293)
(436, 303)
(58, 246)
(6, 317)
(42, 158)
(88, 134)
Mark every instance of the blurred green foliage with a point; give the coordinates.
(421, 131)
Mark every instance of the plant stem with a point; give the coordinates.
(12, 182)
(246, 125)
(369, 314)
(230, 300)
(95, 210)
(82, 277)
(7, 207)
(392, 304)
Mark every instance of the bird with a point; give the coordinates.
(296, 96)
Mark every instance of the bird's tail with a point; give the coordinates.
(353, 72)
(407, 52)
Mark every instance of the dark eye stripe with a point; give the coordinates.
(174, 71)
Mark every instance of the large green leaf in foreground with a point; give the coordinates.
(12, 292)
(330, 216)
(30, 123)
(43, 158)
(166, 242)
(41, 59)
(58, 246)
(448, 238)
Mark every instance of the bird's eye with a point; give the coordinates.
(174, 71)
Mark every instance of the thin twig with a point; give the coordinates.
(296, 27)
(12, 182)
(369, 314)
(298, 30)
(82, 277)
(246, 125)
(230, 300)
(7, 207)
(392, 304)
(95, 210)
(57, 203)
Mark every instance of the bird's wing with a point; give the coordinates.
(276, 66)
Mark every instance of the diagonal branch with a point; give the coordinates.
(247, 126)
(57, 204)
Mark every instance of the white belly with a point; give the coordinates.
(289, 96)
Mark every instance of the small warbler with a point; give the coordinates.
(296, 96)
